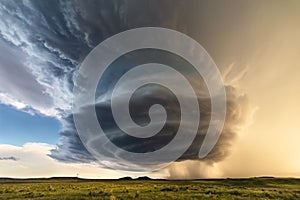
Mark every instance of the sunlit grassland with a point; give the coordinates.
(72, 188)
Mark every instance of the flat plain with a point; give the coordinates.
(74, 188)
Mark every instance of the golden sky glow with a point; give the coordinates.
(263, 46)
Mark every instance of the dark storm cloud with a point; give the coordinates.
(9, 158)
(57, 35)
(70, 149)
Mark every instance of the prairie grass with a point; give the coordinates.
(64, 188)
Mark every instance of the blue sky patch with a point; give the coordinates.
(18, 127)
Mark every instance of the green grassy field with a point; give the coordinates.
(72, 188)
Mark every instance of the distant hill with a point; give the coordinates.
(141, 178)
(127, 178)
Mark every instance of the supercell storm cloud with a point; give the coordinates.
(46, 41)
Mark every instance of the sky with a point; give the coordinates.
(18, 127)
(255, 45)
